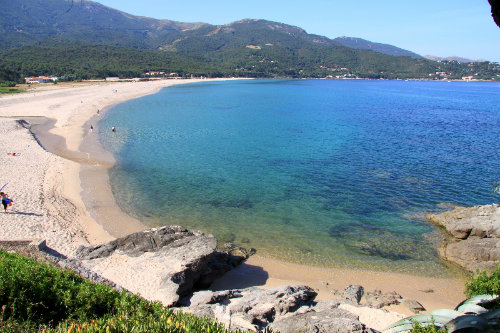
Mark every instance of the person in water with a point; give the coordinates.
(113, 129)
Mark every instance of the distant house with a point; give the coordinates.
(40, 79)
(112, 78)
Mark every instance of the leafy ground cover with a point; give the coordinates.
(35, 297)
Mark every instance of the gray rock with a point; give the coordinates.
(476, 232)
(136, 244)
(473, 254)
(263, 306)
(413, 305)
(378, 300)
(327, 321)
(353, 293)
(462, 222)
(252, 307)
(222, 261)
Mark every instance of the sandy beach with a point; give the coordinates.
(61, 193)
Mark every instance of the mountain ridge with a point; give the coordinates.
(74, 22)
(363, 44)
(43, 37)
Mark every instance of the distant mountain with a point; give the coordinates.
(31, 22)
(452, 58)
(89, 40)
(362, 44)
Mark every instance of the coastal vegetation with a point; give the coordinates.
(479, 290)
(38, 297)
(93, 41)
(76, 61)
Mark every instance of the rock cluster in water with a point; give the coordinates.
(475, 232)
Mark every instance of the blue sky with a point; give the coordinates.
(428, 27)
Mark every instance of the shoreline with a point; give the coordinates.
(82, 184)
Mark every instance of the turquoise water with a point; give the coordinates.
(329, 173)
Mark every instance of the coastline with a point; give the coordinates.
(75, 177)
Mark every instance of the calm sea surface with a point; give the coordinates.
(329, 173)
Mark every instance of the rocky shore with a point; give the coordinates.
(177, 266)
(474, 241)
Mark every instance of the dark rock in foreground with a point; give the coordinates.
(476, 236)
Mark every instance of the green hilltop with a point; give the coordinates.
(88, 40)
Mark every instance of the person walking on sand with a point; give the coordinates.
(6, 201)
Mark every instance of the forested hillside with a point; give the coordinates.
(87, 40)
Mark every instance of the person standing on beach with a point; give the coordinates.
(6, 201)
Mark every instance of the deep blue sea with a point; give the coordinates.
(322, 172)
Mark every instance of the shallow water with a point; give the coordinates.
(329, 173)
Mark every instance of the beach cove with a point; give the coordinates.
(62, 198)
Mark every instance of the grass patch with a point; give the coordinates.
(10, 90)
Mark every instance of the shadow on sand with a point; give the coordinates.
(15, 212)
(243, 276)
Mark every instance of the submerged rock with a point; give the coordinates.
(476, 236)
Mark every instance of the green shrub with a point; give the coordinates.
(418, 328)
(36, 297)
(7, 84)
(31, 291)
(484, 283)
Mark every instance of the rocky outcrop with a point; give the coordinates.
(285, 309)
(161, 264)
(476, 236)
(166, 263)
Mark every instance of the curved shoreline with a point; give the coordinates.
(87, 187)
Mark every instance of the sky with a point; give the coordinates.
(442, 28)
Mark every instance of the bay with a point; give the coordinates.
(323, 172)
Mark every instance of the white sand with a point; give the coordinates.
(47, 196)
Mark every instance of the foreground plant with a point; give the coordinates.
(470, 314)
(480, 313)
(35, 297)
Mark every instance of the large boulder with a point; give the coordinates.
(476, 236)
(473, 254)
(159, 264)
(327, 321)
